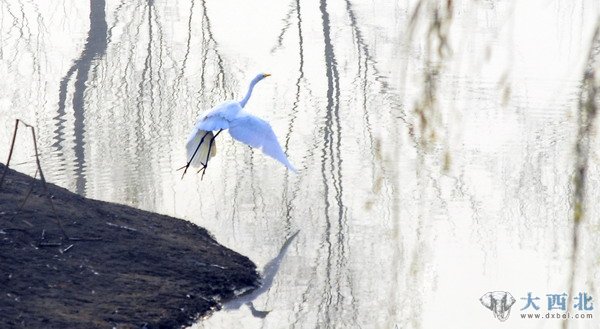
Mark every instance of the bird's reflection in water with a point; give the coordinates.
(268, 275)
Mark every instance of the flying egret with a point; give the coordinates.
(243, 126)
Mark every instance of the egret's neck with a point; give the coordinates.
(249, 93)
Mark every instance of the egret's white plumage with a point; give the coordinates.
(192, 143)
(243, 126)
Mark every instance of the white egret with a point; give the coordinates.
(243, 126)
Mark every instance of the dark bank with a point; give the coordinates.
(117, 266)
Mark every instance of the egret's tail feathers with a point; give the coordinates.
(290, 166)
(277, 154)
(201, 156)
(284, 160)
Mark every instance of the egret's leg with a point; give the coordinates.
(193, 155)
(212, 141)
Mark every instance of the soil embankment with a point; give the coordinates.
(146, 270)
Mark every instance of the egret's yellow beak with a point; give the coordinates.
(266, 75)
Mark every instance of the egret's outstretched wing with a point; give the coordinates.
(258, 133)
(219, 117)
(192, 144)
(212, 123)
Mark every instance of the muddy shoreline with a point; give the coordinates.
(133, 268)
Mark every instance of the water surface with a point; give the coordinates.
(435, 160)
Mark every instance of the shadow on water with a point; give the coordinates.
(25, 30)
(268, 275)
(94, 48)
(336, 271)
(294, 8)
(338, 293)
(209, 43)
(146, 123)
(188, 42)
(24, 36)
(365, 62)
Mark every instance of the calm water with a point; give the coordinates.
(435, 160)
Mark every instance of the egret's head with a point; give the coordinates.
(253, 83)
(261, 76)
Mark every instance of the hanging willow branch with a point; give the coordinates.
(439, 18)
(586, 118)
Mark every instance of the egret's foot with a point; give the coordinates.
(203, 170)
(185, 168)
